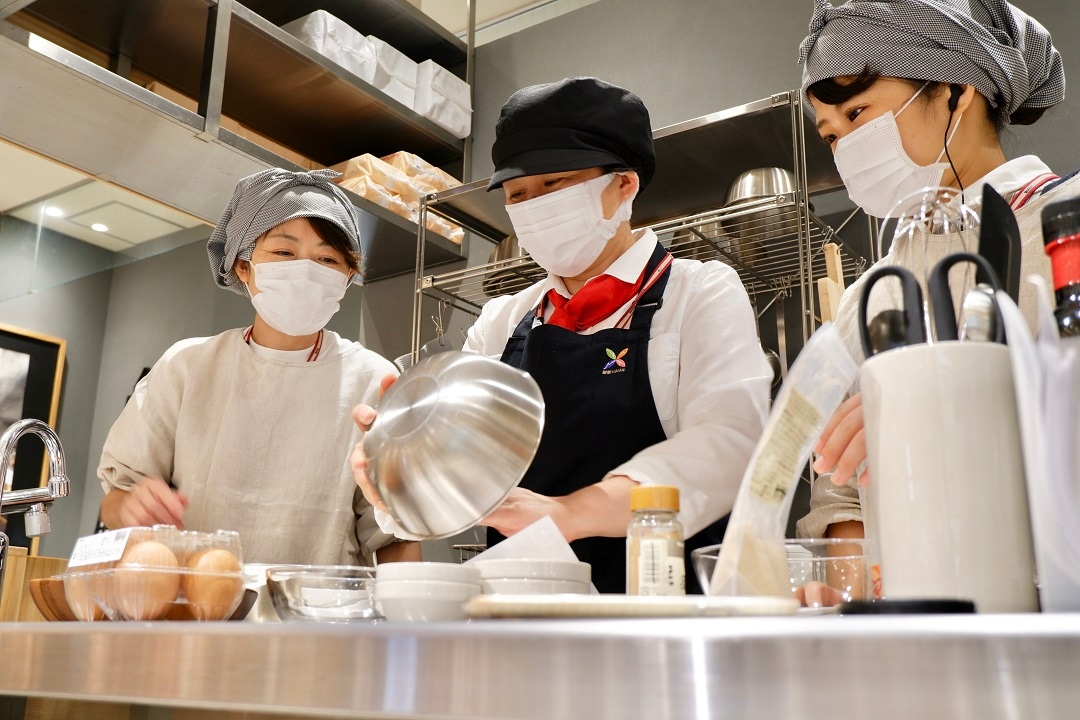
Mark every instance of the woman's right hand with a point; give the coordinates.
(842, 447)
(152, 502)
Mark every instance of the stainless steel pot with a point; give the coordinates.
(454, 435)
(506, 280)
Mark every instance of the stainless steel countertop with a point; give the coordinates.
(956, 667)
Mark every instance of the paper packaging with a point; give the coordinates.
(443, 98)
(368, 189)
(395, 72)
(419, 169)
(336, 40)
(381, 173)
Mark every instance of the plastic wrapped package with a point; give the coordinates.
(368, 189)
(443, 98)
(336, 40)
(395, 72)
(439, 226)
(420, 169)
(381, 173)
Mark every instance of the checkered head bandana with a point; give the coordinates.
(989, 44)
(265, 200)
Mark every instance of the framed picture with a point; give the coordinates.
(31, 370)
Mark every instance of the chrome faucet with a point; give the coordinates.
(35, 502)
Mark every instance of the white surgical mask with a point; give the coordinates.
(875, 168)
(297, 297)
(565, 231)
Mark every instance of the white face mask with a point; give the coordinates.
(877, 171)
(297, 297)
(565, 231)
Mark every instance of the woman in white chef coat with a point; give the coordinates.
(650, 367)
(909, 94)
(249, 430)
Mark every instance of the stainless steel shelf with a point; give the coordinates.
(474, 208)
(977, 667)
(697, 160)
(759, 238)
(398, 22)
(173, 161)
(274, 84)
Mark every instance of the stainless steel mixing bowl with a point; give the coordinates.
(454, 435)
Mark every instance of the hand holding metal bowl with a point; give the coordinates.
(453, 436)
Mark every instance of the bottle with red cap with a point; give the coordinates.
(1061, 236)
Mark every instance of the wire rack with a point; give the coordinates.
(760, 239)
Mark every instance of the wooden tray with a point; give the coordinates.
(48, 595)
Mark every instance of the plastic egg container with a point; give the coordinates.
(162, 574)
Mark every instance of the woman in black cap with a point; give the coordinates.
(650, 367)
(222, 433)
(909, 94)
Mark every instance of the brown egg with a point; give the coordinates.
(145, 594)
(81, 590)
(212, 597)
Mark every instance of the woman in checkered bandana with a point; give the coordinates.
(911, 94)
(249, 430)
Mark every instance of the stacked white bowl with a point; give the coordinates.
(424, 591)
(534, 577)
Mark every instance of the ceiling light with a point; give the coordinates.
(54, 211)
(99, 227)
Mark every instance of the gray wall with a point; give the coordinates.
(76, 312)
(687, 58)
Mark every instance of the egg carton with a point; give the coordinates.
(162, 574)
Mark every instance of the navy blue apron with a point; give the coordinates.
(599, 413)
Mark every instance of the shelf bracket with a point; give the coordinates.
(215, 53)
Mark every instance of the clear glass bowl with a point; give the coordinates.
(323, 593)
(822, 571)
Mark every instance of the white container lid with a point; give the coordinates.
(545, 569)
(428, 571)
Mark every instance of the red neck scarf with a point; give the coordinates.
(597, 300)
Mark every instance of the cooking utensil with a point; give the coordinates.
(887, 331)
(978, 315)
(519, 275)
(914, 330)
(999, 240)
(753, 231)
(941, 301)
(454, 435)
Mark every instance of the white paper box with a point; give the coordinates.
(443, 98)
(395, 72)
(336, 40)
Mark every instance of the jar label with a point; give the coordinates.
(658, 572)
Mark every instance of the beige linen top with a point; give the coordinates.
(830, 504)
(258, 445)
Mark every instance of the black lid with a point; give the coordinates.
(907, 607)
(1061, 219)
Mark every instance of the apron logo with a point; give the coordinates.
(615, 363)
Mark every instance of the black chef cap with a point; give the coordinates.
(572, 124)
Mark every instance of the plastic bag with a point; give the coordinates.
(753, 560)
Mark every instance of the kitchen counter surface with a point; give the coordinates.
(957, 667)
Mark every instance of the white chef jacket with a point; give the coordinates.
(259, 444)
(710, 379)
(830, 504)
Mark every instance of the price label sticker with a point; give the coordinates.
(100, 548)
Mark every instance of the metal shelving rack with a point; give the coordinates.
(774, 243)
(236, 62)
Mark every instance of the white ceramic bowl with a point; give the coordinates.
(567, 570)
(423, 600)
(449, 572)
(533, 586)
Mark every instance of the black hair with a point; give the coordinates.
(833, 92)
(335, 237)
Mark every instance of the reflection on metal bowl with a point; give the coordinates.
(753, 231)
(454, 435)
